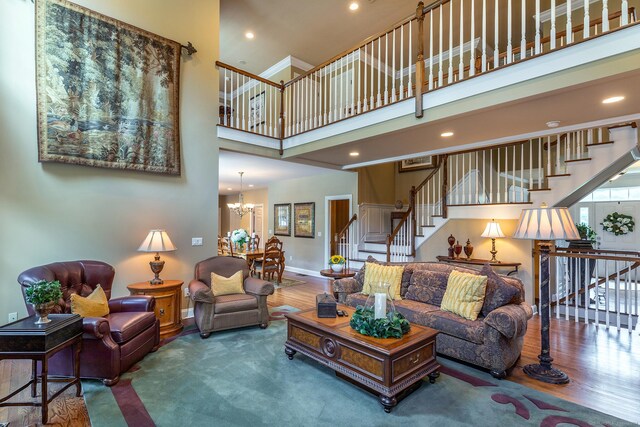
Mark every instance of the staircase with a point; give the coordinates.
(495, 182)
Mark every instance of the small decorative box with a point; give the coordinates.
(326, 305)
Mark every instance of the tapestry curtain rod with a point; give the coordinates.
(189, 47)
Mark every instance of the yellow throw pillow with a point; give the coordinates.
(376, 273)
(464, 295)
(93, 305)
(221, 285)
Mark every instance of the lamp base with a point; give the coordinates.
(547, 374)
(156, 267)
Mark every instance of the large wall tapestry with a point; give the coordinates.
(107, 91)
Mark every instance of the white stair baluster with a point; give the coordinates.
(430, 50)
(552, 33)
(605, 17)
(461, 47)
(569, 29)
(440, 41)
(472, 44)
(624, 10)
(386, 67)
(450, 70)
(537, 39)
(523, 24)
(509, 45)
(587, 21)
(496, 42)
(393, 68)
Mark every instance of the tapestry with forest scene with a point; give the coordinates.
(107, 91)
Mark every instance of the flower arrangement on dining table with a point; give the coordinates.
(240, 237)
(618, 224)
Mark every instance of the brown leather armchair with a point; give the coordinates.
(110, 344)
(228, 311)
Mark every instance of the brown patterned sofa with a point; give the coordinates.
(493, 341)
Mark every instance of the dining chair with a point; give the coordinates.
(268, 266)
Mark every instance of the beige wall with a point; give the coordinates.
(376, 184)
(54, 212)
(509, 250)
(259, 196)
(305, 253)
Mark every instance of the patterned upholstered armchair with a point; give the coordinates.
(110, 344)
(228, 311)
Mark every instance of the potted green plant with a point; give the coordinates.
(43, 295)
(586, 232)
(586, 242)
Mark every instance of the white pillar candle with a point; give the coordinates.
(380, 306)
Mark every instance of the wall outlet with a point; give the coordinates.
(196, 241)
(319, 233)
(290, 257)
(186, 292)
(13, 317)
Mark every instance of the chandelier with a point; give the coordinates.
(240, 208)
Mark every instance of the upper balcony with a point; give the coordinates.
(493, 73)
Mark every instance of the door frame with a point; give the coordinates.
(327, 212)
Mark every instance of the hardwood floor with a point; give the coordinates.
(604, 366)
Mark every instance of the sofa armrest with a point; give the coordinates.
(255, 286)
(348, 285)
(132, 303)
(200, 292)
(95, 328)
(510, 320)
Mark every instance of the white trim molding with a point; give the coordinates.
(304, 271)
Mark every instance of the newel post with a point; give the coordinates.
(281, 119)
(445, 183)
(420, 60)
(413, 225)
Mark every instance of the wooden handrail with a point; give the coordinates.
(248, 74)
(346, 227)
(433, 172)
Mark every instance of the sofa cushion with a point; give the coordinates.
(376, 273)
(221, 285)
(359, 277)
(454, 325)
(498, 292)
(93, 305)
(427, 286)
(414, 311)
(126, 325)
(465, 294)
(234, 303)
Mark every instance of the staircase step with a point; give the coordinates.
(377, 242)
(539, 189)
(560, 174)
(497, 203)
(598, 144)
(586, 159)
(428, 225)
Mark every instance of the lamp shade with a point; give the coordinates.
(157, 241)
(545, 223)
(493, 231)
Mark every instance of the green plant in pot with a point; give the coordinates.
(581, 266)
(586, 232)
(43, 295)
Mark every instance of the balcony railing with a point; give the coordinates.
(440, 44)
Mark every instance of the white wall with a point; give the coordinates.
(305, 253)
(55, 212)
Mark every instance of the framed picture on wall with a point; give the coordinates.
(417, 163)
(256, 110)
(304, 219)
(282, 219)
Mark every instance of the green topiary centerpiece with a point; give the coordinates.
(43, 295)
(394, 325)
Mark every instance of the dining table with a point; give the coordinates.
(253, 254)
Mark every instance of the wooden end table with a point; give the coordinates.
(390, 368)
(337, 275)
(168, 306)
(25, 339)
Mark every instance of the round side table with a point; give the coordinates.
(168, 306)
(335, 276)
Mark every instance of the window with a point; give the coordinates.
(613, 194)
(584, 216)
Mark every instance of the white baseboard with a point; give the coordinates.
(187, 314)
(306, 272)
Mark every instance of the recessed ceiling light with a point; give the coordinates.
(229, 189)
(553, 123)
(446, 134)
(249, 35)
(354, 6)
(250, 185)
(612, 99)
(354, 153)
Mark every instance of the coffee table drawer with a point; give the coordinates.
(304, 337)
(409, 363)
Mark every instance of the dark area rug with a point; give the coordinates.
(287, 282)
(242, 377)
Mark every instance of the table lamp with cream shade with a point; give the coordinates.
(157, 241)
(545, 224)
(493, 232)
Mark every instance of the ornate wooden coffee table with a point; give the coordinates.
(390, 368)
